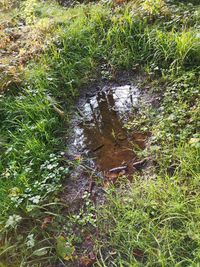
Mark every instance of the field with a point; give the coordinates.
(49, 52)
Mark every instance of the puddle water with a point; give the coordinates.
(100, 135)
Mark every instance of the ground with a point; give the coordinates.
(49, 54)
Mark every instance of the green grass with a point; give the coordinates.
(153, 222)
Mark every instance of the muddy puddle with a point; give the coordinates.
(101, 150)
(99, 133)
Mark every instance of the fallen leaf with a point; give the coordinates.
(64, 249)
(46, 221)
(87, 261)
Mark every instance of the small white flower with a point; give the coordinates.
(30, 241)
(6, 174)
(35, 199)
(50, 166)
(13, 220)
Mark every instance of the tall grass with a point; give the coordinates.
(95, 34)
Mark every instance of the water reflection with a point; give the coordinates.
(101, 133)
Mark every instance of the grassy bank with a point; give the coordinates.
(151, 222)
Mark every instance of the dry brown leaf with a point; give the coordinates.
(87, 261)
(46, 221)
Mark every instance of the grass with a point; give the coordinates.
(139, 226)
(156, 220)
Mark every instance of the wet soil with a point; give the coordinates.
(100, 146)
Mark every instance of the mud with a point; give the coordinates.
(99, 142)
(100, 133)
